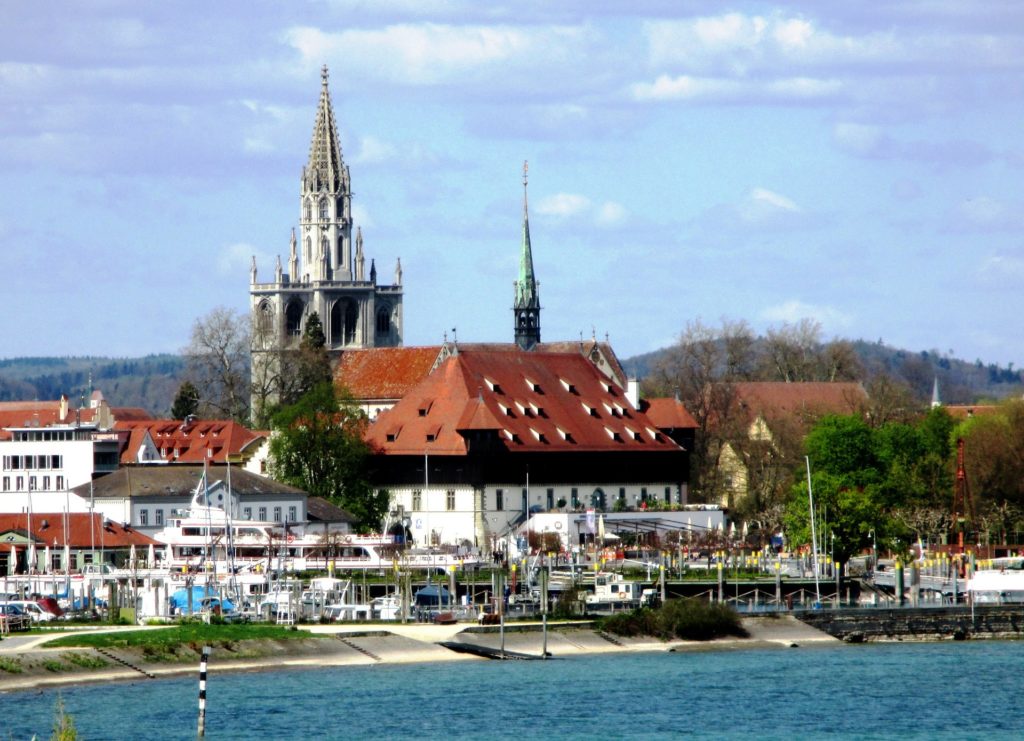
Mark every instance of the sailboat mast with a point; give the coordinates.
(814, 537)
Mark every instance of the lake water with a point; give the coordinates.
(899, 690)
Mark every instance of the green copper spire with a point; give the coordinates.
(527, 301)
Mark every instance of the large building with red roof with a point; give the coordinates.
(490, 435)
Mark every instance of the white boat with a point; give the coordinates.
(998, 581)
(615, 591)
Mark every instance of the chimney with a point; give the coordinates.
(633, 392)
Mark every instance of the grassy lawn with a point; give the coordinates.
(183, 634)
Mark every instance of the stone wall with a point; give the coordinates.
(956, 623)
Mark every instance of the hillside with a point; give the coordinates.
(960, 382)
(149, 382)
(152, 381)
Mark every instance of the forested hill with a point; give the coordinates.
(152, 381)
(149, 382)
(960, 382)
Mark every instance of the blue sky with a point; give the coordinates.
(856, 163)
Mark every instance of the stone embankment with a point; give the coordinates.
(923, 624)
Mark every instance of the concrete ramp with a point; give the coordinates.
(785, 630)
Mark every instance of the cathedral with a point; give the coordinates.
(326, 272)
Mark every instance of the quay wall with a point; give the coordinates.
(930, 623)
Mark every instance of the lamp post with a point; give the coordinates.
(874, 551)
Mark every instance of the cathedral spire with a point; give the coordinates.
(527, 301)
(326, 167)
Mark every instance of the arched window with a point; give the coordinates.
(307, 210)
(309, 251)
(384, 320)
(264, 324)
(293, 319)
(325, 246)
(344, 321)
(597, 500)
(324, 210)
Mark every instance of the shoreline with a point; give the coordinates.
(373, 644)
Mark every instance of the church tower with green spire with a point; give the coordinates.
(526, 306)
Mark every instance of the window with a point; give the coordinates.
(575, 497)
(246, 513)
(622, 493)
(159, 517)
(293, 513)
(21, 483)
(7, 483)
(277, 514)
(450, 500)
(417, 500)
(324, 211)
(143, 517)
(526, 501)
(643, 494)
(262, 511)
(499, 499)
(668, 495)
(32, 483)
(46, 483)
(383, 320)
(60, 483)
(307, 211)
(551, 498)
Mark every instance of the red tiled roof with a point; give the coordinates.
(963, 411)
(533, 401)
(384, 372)
(771, 399)
(48, 529)
(203, 440)
(667, 413)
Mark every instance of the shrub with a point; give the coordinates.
(11, 666)
(689, 619)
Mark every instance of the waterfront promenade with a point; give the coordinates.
(367, 644)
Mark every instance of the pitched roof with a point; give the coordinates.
(773, 400)
(320, 510)
(964, 411)
(212, 441)
(530, 402)
(667, 413)
(48, 529)
(384, 372)
(179, 481)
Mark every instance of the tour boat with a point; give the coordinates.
(998, 581)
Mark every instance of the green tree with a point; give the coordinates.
(186, 402)
(318, 445)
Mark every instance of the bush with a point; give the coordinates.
(688, 619)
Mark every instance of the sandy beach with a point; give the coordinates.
(358, 644)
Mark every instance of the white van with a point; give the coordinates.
(34, 611)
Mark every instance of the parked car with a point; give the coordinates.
(34, 610)
(13, 618)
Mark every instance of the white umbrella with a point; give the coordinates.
(732, 529)
(46, 560)
(600, 527)
(132, 557)
(67, 558)
(12, 562)
(151, 556)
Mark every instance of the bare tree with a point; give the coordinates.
(699, 370)
(218, 364)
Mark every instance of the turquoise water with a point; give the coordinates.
(905, 691)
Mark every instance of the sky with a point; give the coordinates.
(858, 164)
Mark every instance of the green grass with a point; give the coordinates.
(85, 661)
(55, 665)
(11, 666)
(191, 634)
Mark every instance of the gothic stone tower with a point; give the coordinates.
(526, 305)
(326, 266)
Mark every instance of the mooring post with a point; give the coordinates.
(202, 691)
(544, 610)
(721, 581)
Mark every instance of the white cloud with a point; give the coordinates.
(360, 216)
(794, 310)
(762, 207)
(236, 259)
(986, 214)
(611, 214)
(372, 149)
(720, 89)
(434, 53)
(1002, 268)
(563, 205)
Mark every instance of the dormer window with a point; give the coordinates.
(566, 435)
(534, 386)
(570, 387)
(433, 433)
(492, 385)
(592, 411)
(424, 408)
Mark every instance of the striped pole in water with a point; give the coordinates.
(202, 691)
